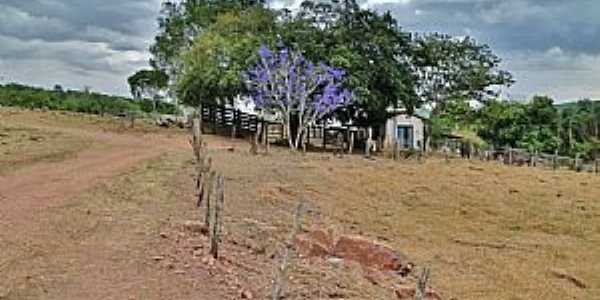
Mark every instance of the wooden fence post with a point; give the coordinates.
(555, 160)
(266, 133)
(396, 151)
(208, 191)
(351, 143)
(308, 131)
(324, 138)
(196, 139)
(281, 274)
(368, 142)
(421, 290)
(597, 166)
(234, 123)
(131, 120)
(510, 156)
(215, 230)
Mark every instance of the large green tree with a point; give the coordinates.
(370, 46)
(213, 67)
(181, 22)
(147, 84)
(448, 68)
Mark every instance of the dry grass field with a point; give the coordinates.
(487, 231)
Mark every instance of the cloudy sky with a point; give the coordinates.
(551, 46)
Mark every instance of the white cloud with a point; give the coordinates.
(555, 72)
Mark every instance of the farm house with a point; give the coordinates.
(406, 130)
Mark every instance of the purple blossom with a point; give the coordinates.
(287, 83)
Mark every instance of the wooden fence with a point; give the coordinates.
(235, 123)
(523, 157)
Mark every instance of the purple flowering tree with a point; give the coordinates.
(287, 84)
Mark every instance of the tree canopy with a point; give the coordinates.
(205, 45)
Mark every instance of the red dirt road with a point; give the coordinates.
(46, 184)
(58, 242)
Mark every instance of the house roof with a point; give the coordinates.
(422, 113)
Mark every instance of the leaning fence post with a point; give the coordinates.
(281, 273)
(421, 290)
(208, 191)
(217, 219)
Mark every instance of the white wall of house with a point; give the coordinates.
(406, 121)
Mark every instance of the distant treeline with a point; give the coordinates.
(536, 125)
(23, 96)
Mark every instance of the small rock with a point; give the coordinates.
(158, 258)
(180, 272)
(197, 253)
(208, 260)
(195, 226)
(408, 292)
(164, 235)
(369, 253)
(336, 261)
(247, 295)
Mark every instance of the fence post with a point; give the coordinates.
(351, 143)
(324, 137)
(196, 139)
(215, 230)
(510, 156)
(266, 133)
(555, 160)
(368, 142)
(533, 158)
(577, 162)
(597, 166)
(281, 274)
(234, 123)
(421, 290)
(209, 187)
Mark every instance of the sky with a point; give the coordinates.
(552, 47)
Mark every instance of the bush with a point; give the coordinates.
(91, 103)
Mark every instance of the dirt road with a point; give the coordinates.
(72, 229)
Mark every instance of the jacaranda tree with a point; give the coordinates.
(283, 82)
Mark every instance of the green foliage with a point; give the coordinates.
(579, 128)
(448, 67)
(147, 83)
(531, 126)
(181, 22)
(212, 68)
(92, 103)
(370, 46)
(203, 45)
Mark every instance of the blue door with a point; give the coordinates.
(405, 136)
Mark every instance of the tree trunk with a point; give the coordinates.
(288, 131)
(570, 136)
